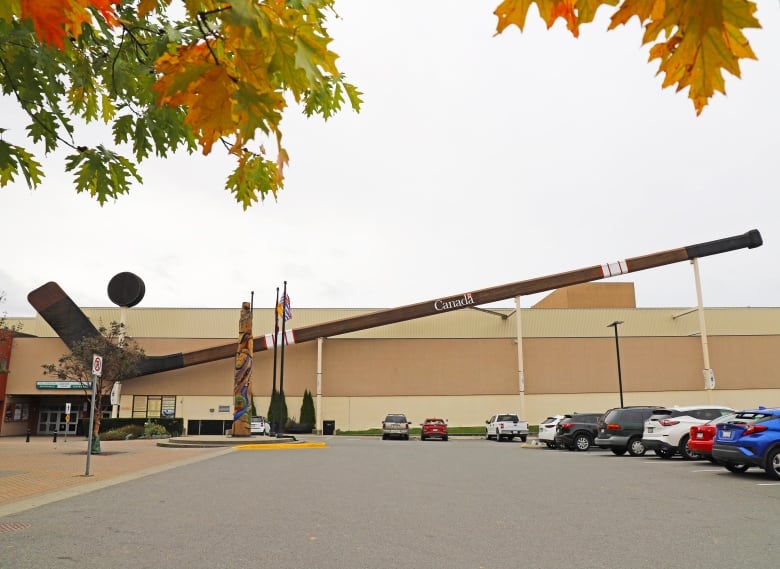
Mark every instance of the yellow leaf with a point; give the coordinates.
(700, 38)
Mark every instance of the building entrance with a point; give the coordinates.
(52, 420)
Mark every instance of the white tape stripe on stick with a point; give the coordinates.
(289, 339)
(612, 269)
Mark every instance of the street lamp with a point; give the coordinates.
(615, 325)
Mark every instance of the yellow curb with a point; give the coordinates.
(273, 446)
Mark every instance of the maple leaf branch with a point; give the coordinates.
(208, 32)
(139, 46)
(26, 107)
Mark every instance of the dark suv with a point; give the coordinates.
(621, 429)
(577, 431)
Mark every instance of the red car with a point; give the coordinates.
(434, 428)
(701, 436)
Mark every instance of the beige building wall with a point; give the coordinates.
(462, 366)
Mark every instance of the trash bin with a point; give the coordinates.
(329, 427)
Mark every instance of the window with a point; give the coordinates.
(17, 412)
(154, 406)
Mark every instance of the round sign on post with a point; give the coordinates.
(97, 365)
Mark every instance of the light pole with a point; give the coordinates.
(615, 325)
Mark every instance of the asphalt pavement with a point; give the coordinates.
(366, 503)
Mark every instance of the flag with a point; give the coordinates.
(283, 308)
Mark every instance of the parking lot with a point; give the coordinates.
(365, 503)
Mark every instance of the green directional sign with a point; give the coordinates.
(63, 384)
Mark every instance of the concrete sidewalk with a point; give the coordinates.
(42, 471)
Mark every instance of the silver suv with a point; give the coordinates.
(395, 425)
(667, 430)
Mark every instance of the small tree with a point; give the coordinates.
(277, 419)
(6, 334)
(120, 354)
(308, 414)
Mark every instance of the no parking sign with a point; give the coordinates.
(97, 365)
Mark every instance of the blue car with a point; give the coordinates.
(750, 438)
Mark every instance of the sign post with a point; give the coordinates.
(67, 420)
(97, 371)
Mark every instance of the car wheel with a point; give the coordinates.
(498, 436)
(422, 437)
(666, 453)
(582, 442)
(687, 453)
(636, 447)
(384, 437)
(523, 438)
(618, 451)
(736, 468)
(487, 435)
(773, 464)
(445, 438)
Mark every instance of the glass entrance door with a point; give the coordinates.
(52, 420)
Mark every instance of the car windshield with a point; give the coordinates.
(549, 420)
(749, 417)
(660, 414)
(395, 419)
(584, 418)
(434, 422)
(512, 418)
(722, 419)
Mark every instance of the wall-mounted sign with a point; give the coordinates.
(224, 408)
(63, 385)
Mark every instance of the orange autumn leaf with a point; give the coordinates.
(573, 12)
(191, 79)
(699, 38)
(55, 21)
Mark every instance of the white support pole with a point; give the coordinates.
(319, 385)
(520, 370)
(115, 407)
(707, 373)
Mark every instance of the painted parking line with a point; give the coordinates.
(768, 484)
(711, 470)
(281, 446)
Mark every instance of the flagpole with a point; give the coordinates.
(252, 320)
(281, 362)
(276, 334)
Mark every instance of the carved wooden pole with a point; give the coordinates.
(242, 376)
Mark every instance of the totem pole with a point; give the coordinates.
(242, 387)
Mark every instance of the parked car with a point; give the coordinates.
(547, 430)
(701, 436)
(750, 438)
(260, 426)
(667, 430)
(434, 428)
(621, 429)
(577, 431)
(506, 426)
(395, 425)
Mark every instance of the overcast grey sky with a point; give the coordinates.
(477, 160)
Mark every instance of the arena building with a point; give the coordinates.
(563, 354)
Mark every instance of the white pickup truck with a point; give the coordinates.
(506, 426)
